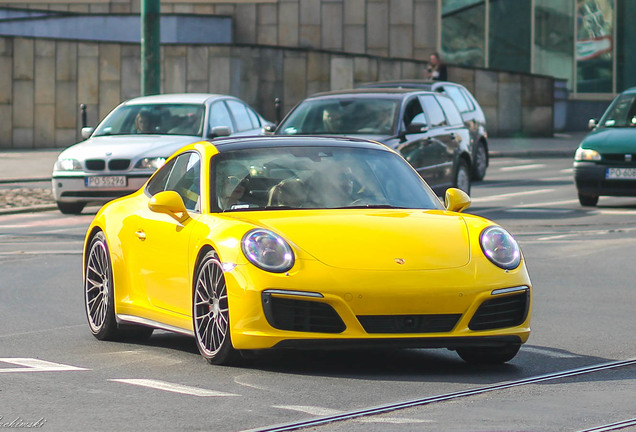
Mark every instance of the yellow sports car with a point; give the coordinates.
(251, 243)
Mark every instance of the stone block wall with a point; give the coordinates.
(42, 87)
(394, 28)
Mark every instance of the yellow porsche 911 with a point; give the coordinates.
(251, 243)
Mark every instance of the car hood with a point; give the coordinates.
(128, 146)
(373, 239)
(608, 140)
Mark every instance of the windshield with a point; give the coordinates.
(316, 178)
(368, 116)
(163, 119)
(622, 112)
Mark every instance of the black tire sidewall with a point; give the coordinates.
(108, 330)
(226, 354)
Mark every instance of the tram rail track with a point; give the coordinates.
(383, 409)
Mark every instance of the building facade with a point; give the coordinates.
(273, 48)
(583, 42)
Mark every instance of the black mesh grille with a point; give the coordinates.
(408, 323)
(118, 164)
(301, 315)
(95, 164)
(624, 159)
(507, 311)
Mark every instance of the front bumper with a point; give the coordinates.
(72, 188)
(590, 179)
(340, 308)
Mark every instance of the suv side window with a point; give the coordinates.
(458, 97)
(433, 111)
(450, 109)
(413, 113)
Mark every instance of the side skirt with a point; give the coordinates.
(131, 319)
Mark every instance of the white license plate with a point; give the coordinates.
(620, 173)
(106, 181)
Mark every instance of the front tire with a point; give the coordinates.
(588, 200)
(211, 312)
(70, 208)
(488, 355)
(99, 296)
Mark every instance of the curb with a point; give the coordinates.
(30, 209)
(532, 153)
(25, 180)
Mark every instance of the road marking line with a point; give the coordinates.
(174, 388)
(548, 352)
(508, 195)
(52, 252)
(543, 204)
(311, 410)
(538, 210)
(36, 365)
(319, 411)
(55, 329)
(522, 167)
(617, 212)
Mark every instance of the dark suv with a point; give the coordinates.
(425, 127)
(469, 108)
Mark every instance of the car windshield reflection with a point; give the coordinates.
(622, 113)
(365, 116)
(162, 119)
(316, 178)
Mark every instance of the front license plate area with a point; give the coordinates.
(620, 174)
(106, 181)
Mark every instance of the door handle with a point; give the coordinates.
(141, 235)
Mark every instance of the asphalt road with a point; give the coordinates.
(580, 260)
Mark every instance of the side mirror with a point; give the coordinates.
(170, 203)
(87, 132)
(591, 124)
(269, 129)
(220, 131)
(415, 128)
(456, 200)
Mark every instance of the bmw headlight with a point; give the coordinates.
(267, 251)
(68, 165)
(151, 163)
(500, 247)
(586, 155)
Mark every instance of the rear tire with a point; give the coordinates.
(70, 208)
(488, 355)
(481, 161)
(588, 200)
(462, 176)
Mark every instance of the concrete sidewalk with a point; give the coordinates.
(20, 165)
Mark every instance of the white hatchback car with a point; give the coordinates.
(137, 137)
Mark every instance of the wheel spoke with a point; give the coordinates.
(210, 308)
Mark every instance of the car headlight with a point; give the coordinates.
(148, 163)
(267, 251)
(68, 165)
(586, 155)
(500, 247)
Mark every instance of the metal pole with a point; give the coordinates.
(150, 47)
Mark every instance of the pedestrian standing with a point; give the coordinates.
(437, 68)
